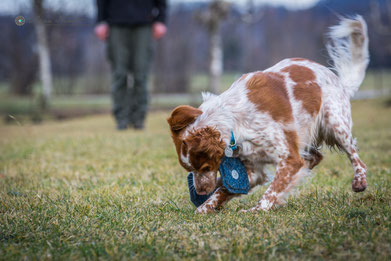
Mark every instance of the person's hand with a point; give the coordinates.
(102, 31)
(158, 30)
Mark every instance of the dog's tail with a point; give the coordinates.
(348, 48)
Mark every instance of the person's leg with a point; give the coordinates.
(142, 43)
(119, 57)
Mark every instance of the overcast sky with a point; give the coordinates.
(14, 7)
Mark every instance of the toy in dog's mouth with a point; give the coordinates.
(195, 198)
(234, 177)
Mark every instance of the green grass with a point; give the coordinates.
(377, 80)
(78, 189)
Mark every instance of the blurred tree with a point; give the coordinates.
(254, 58)
(44, 53)
(382, 27)
(173, 72)
(252, 14)
(253, 37)
(18, 58)
(69, 44)
(212, 19)
(23, 64)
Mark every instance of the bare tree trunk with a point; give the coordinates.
(43, 53)
(215, 61)
(376, 15)
(218, 11)
(383, 28)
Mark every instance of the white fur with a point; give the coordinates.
(350, 56)
(185, 159)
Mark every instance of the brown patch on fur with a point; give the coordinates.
(223, 197)
(267, 91)
(292, 140)
(305, 90)
(299, 73)
(357, 36)
(284, 178)
(285, 174)
(205, 147)
(310, 96)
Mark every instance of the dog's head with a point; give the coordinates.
(199, 150)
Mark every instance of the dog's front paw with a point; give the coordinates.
(263, 205)
(204, 209)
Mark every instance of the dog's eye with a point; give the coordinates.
(205, 169)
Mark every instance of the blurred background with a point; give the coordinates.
(236, 36)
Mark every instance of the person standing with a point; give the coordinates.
(128, 27)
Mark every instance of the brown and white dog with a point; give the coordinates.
(279, 116)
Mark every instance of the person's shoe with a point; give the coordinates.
(122, 126)
(138, 126)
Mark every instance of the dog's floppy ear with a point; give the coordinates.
(182, 116)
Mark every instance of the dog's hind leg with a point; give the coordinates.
(359, 182)
(340, 134)
(344, 140)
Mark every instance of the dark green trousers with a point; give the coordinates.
(130, 54)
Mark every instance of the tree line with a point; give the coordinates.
(252, 38)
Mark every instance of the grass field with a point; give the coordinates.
(79, 189)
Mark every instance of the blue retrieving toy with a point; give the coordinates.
(234, 177)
